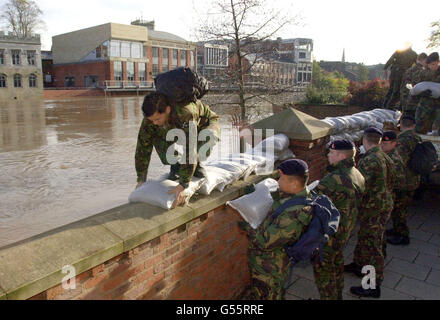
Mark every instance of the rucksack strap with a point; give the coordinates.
(294, 201)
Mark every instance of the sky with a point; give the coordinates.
(369, 31)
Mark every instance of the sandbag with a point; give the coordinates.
(426, 85)
(214, 177)
(181, 85)
(255, 206)
(155, 192)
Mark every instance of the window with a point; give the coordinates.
(174, 59)
(17, 81)
(2, 56)
(15, 56)
(142, 72)
(98, 52)
(302, 55)
(2, 81)
(125, 49)
(69, 81)
(32, 81)
(117, 69)
(155, 53)
(165, 66)
(130, 71)
(136, 50)
(191, 59)
(183, 58)
(115, 50)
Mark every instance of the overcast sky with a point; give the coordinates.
(370, 31)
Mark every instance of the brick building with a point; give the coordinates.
(20, 67)
(117, 56)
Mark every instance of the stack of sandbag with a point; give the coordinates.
(228, 169)
(351, 127)
(155, 192)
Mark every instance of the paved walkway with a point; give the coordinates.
(411, 272)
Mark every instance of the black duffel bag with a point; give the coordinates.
(181, 85)
(423, 158)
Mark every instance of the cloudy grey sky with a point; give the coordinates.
(370, 31)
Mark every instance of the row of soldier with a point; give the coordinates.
(409, 68)
(378, 187)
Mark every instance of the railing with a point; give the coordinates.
(127, 84)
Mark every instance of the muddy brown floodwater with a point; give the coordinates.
(65, 160)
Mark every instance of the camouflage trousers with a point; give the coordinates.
(400, 211)
(393, 93)
(371, 248)
(329, 274)
(269, 273)
(426, 116)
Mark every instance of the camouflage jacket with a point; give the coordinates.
(412, 76)
(181, 116)
(345, 186)
(400, 168)
(378, 171)
(406, 143)
(286, 229)
(429, 75)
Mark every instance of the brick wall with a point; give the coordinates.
(314, 153)
(79, 70)
(204, 259)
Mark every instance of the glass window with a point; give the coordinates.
(32, 81)
(104, 50)
(2, 56)
(117, 69)
(136, 49)
(191, 59)
(17, 81)
(174, 59)
(115, 50)
(183, 58)
(15, 56)
(2, 81)
(130, 71)
(125, 49)
(98, 52)
(69, 81)
(302, 55)
(165, 65)
(142, 72)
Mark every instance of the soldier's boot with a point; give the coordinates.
(174, 172)
(398, 240)
(361, 292)
(200, 172)
(354, 268)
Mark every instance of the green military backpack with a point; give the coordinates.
(423, 158)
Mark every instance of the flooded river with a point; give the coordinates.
(65, 160)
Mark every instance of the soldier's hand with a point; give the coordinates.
(139, 184)
(180, 195)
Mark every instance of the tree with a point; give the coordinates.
(434, 39)
(246, 26)
(23, 17)
(363, 73)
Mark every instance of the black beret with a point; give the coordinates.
(343, 144)
(408, 117)
(373, 130)
(389, 136)
(432, 57)
(294, 167)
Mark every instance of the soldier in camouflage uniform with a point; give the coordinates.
(159, 118)
(399, 62)
(377, 204)
(406, 143)
(428, 110)
(412, 76)
(345, 186)
(268, 260)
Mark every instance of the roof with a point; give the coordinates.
(162, 35)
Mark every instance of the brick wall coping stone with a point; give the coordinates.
(34, 265)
